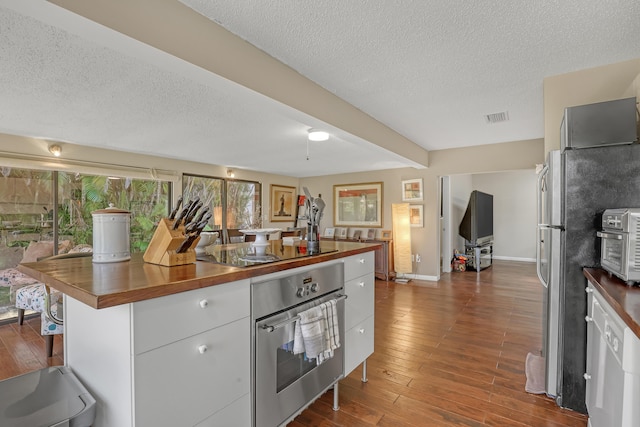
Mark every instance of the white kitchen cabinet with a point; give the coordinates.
(359, 310)
(613, 367)
(167, 361)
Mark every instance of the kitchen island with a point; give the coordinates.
(171, 346)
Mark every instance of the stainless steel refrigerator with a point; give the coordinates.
(575, 187)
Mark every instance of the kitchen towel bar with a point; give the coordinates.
(271, 328)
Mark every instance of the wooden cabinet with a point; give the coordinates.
(182, 359)
(383, 257)
(358, 310)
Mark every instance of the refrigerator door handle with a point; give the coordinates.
(541, 182)
(543, 280)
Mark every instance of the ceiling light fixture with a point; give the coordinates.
(317, 135)
(55, 149)
(231, 173)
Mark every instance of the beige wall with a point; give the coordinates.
(426, 241)
(598, 84)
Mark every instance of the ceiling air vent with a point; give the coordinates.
(497, 117)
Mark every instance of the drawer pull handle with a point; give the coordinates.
(361, 284)
(588, 319)
(202, 349)
(361, 330)
(588, 290)
(361, 260)
(586, 376)
(204, 303)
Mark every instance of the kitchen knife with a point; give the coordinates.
(183, 214)
(188, 241)
(174, 212)
(193, 211)
(202, 213)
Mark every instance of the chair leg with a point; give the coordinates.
(49, 341)
(20, 316)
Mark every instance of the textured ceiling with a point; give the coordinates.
(430, 70)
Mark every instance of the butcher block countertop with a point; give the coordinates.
(102, 285)
(624, 299)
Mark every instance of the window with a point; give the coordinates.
(235, 204)
(27, 212)
(79, 195)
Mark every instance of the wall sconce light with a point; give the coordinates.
(317, 135)
(55, 149)
(231, 173)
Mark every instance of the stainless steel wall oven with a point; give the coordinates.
(285, 383)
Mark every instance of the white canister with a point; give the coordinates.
(111, 228)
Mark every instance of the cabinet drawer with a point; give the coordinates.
(163, 320)
(238, 414)
(180, 376)
(358, 344)
(358, 265)
(361, 299)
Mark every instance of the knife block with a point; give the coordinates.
(163, 245)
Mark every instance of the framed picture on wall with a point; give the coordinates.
(358, 205)
(329, 232)
(416, 215)
(412, 190)
(282, 207)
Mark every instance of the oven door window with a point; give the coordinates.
(613, 252)
(290, 367)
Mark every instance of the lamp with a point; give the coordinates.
(55, 149)
(317, 135)
(401, 241)
(230, 173)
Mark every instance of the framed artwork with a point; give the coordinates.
(358, 205)
(412, 190)
(416, 215)
(329, 232)
(341, 232)
(386, 235)
(371, 233)
(282, 203)
(356, 234)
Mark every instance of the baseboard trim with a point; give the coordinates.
(508, 258)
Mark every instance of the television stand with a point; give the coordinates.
(479, 256)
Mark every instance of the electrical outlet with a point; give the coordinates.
(413, 257)
(418, 258)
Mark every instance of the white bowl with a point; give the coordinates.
(206, 238)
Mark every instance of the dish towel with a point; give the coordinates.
(534, 370)
(317, 333)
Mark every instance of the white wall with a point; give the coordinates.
(514, 210)
(461, 188)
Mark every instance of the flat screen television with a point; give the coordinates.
(477, 224)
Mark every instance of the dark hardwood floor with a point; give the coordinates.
(450, 353)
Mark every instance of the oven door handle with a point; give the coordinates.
(271, 328)
(609, 235)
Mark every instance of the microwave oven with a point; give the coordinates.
(620, 243)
